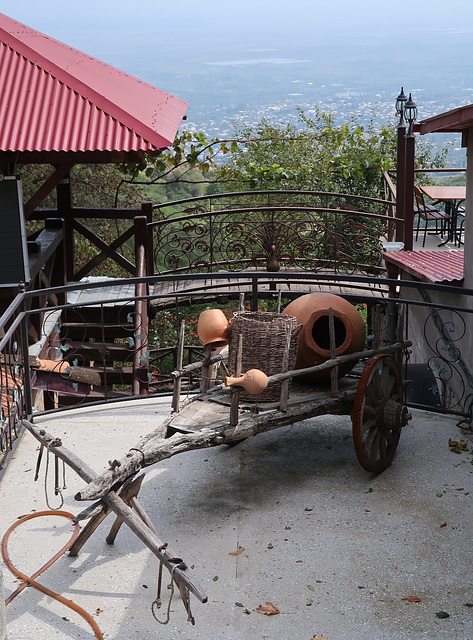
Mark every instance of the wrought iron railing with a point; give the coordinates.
(311, 230)
(438, 362)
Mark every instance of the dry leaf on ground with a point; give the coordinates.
(236, 553)
(317, 637)
(267, 609)
(412, 599)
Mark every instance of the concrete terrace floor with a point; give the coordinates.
(335, 549)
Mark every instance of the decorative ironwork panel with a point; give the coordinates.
(452, 381)
(12, 390)
(271, 238)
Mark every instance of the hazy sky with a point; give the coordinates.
(72, 21)
(415, 43)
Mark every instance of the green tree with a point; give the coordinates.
(317, 154)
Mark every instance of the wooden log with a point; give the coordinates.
(116, 504)
(333, 354)
(156, 449)
(235, 392)
(177, 382)
(206, 370)
(177, 373)
(67, 370)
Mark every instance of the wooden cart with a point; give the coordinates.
(216, 416)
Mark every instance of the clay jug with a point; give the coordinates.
(312, 311)
(213, 328)
(253, 381)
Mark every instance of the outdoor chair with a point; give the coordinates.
(428, 213)
(460, 227)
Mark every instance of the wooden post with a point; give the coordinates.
(401, 181)
(205, 375)
(177, 382)
(147, 209)
(409, 193)
(235, 391)
(58, 272)
(254, 294)
(64, 209)
(285, 367)
(333, 354)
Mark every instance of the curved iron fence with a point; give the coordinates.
(311, 230)
(438, 363)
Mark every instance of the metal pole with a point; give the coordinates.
(25, 354)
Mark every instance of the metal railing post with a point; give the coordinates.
(25, 355)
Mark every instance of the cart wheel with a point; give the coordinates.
(378, 413)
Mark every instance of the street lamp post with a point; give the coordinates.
(410, 114)
(401, 165)
(406, 109)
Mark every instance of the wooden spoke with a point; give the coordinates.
(378, 413)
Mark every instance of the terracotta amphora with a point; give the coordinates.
(253, 381)
(213, 328)
(312, 311)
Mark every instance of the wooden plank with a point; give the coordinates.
(153, 449)
(195, 415)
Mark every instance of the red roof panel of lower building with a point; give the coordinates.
(429, 266)
(56, 98)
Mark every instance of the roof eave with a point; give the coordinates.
(454, 121)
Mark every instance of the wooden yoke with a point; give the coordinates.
(138, 522)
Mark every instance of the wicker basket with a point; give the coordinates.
(263, 341)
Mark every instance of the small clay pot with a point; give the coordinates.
(312, 311)
(253, 381)
(213, 328)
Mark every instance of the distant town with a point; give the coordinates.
(218, 120)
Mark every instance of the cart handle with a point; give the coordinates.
(334, 362)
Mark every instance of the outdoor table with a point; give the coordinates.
(452, 196)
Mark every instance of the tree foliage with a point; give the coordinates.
(317, 154)
(314, 154)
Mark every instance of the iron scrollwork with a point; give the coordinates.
(307, 238)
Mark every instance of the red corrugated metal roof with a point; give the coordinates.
(429, 266)
(56, 98)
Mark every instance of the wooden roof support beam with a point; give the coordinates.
(60, 172)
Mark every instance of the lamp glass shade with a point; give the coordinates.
(410, 110)
(400, 102)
